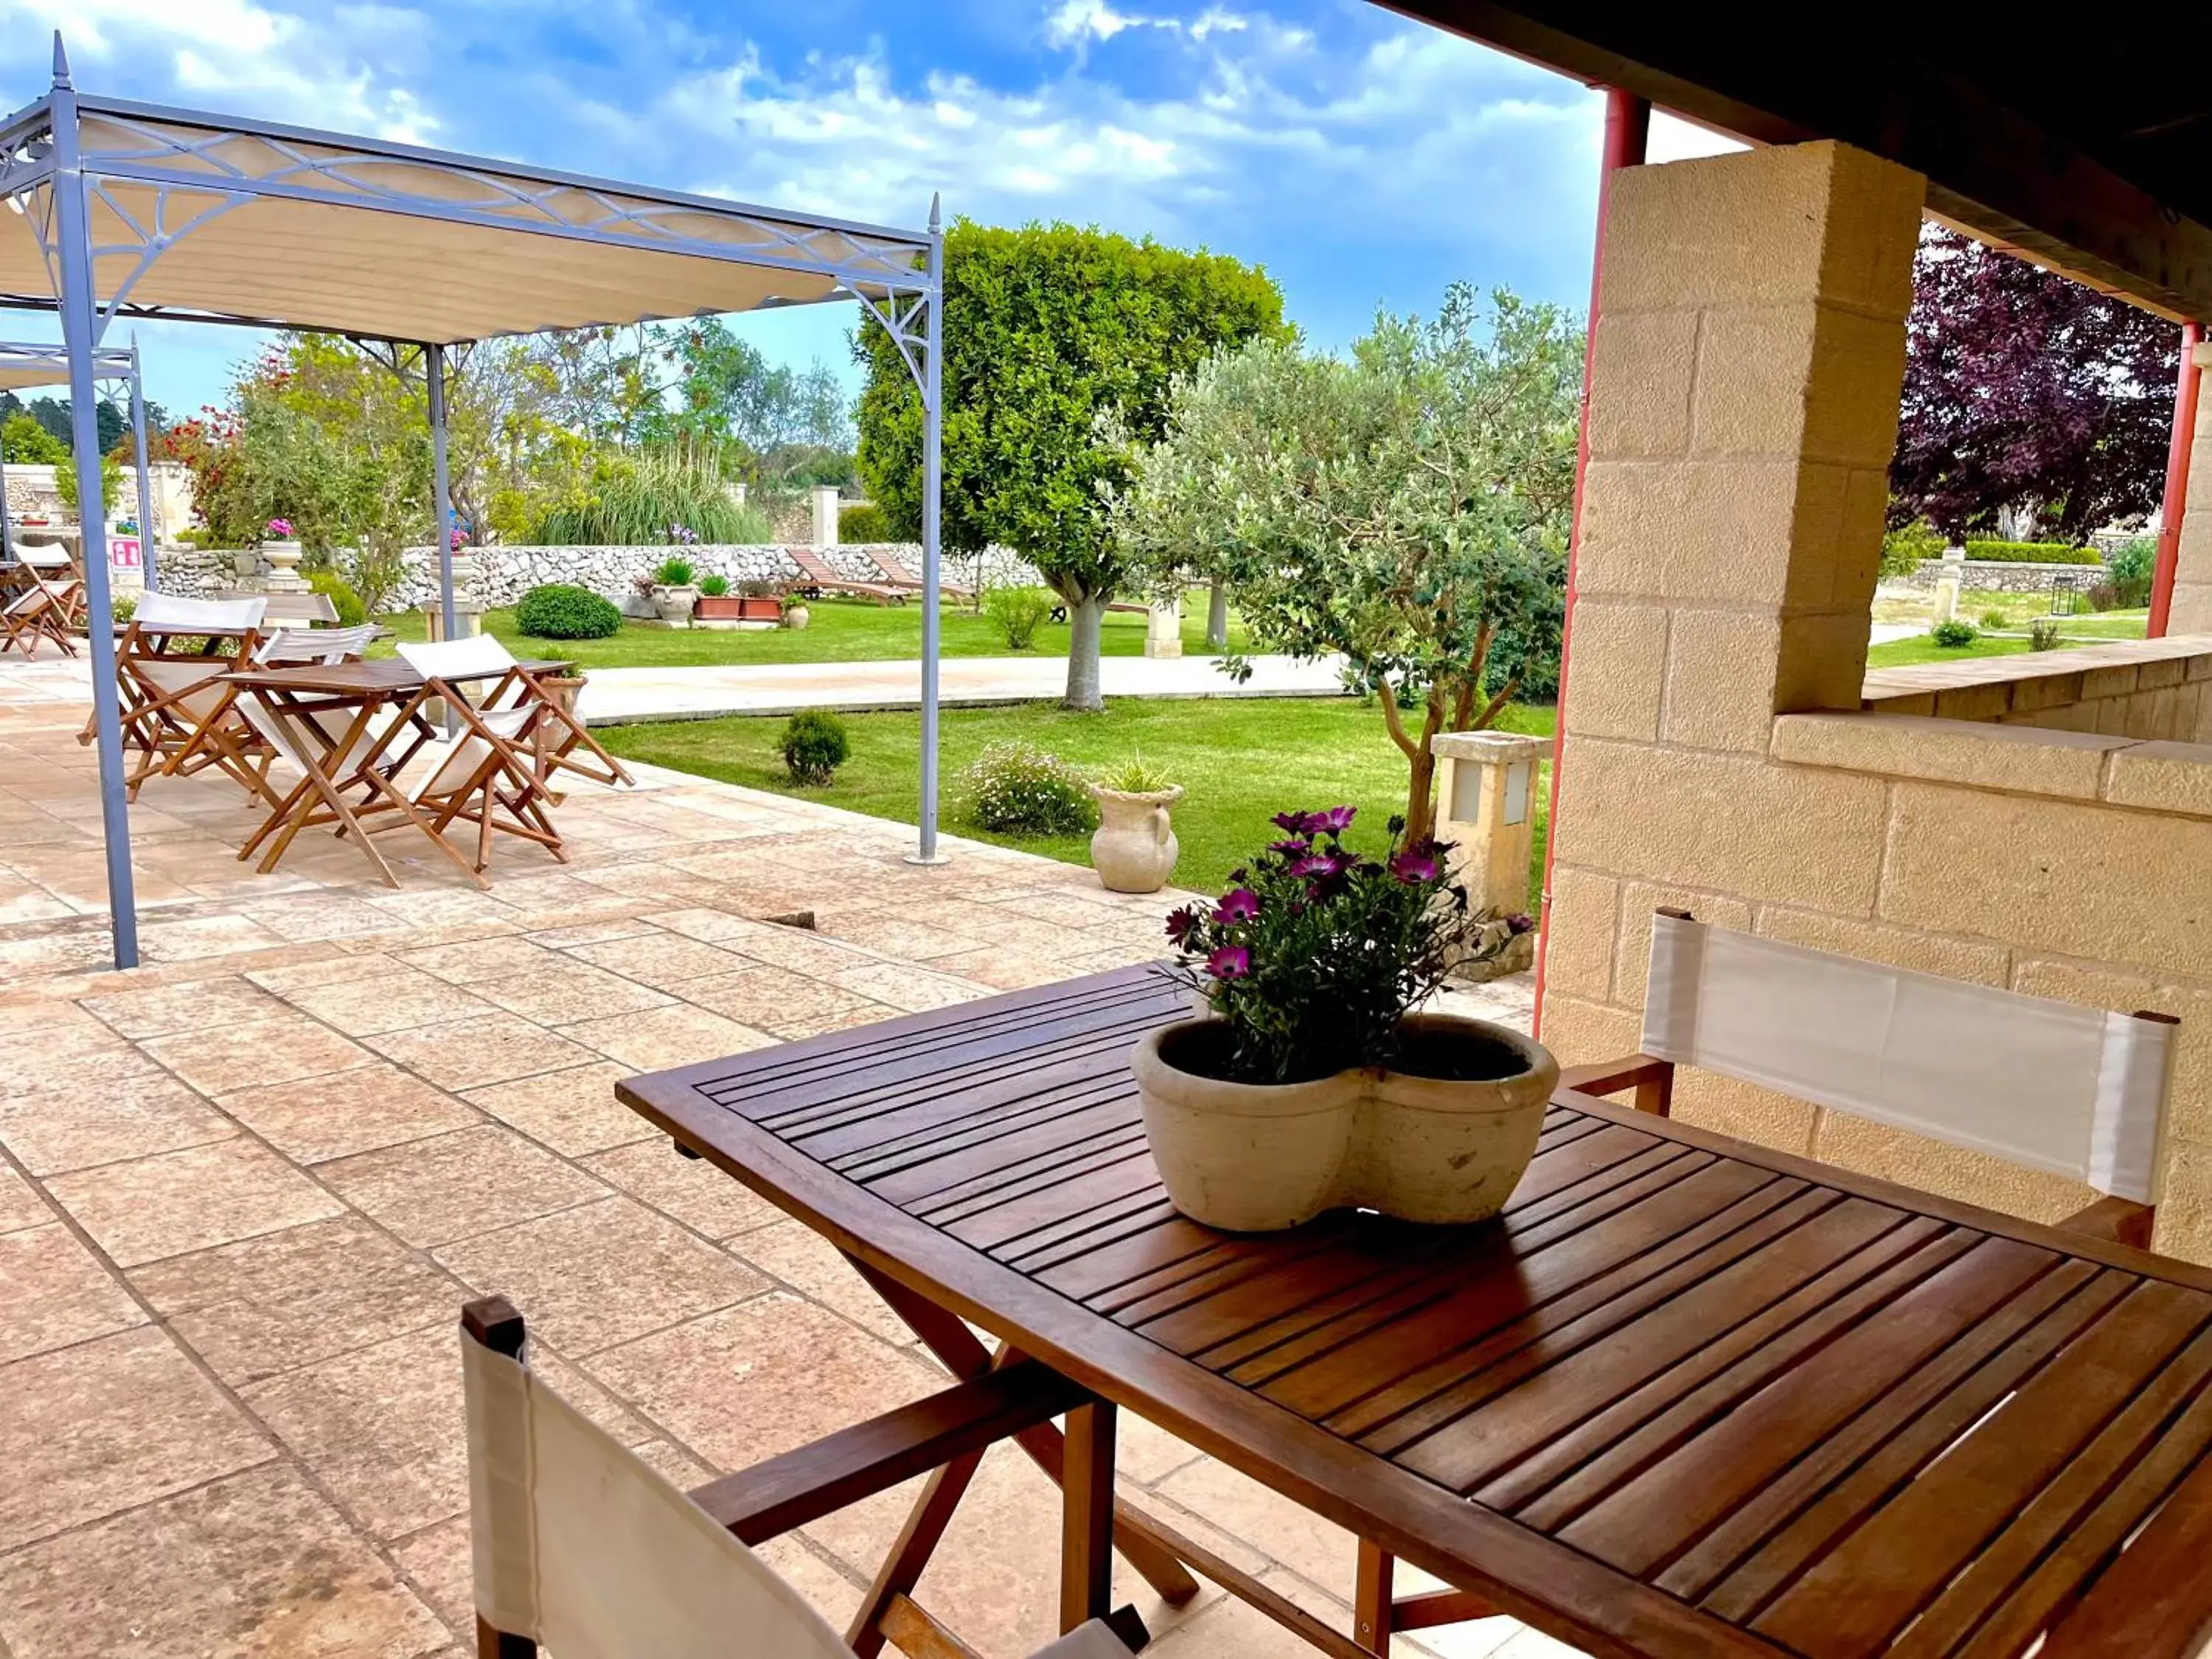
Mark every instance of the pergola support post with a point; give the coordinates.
(433, 366)
(2175, 502)
(932, 484)
(145, 483)
(80, 333)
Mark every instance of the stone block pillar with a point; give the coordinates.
(2192, 574)
(1744, 387)
(1486, 801)
(825, 516)
(1164, 629)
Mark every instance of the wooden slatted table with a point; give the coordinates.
(1687, 1397)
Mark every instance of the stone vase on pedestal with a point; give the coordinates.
(282, 559)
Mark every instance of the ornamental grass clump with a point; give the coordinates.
(1315, 953)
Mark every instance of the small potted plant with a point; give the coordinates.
(1135, 848)
(673, 594)
(280, 548)
(760, 602)
(1310, 1083)
(716, 603)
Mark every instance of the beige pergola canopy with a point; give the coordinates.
(111, 208)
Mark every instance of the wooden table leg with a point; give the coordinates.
(917, 1540)
(1086, 1527)
(947, 1336)
(1370, 1598)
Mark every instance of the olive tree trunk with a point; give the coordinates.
(1217, 616)
(1084, 615)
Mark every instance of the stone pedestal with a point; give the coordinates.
(825, 516)
(1948, 580)
(468, 620)
(1486, 801)
(1164, 629)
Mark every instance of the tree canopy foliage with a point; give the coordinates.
(1407, 506)
(2028, 396)
(1059, 344)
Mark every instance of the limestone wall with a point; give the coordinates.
(2141, 689)
(1715, 756)
(2005, 575)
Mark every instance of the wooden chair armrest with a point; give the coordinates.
(804, 1485)
(1652, 1079)
(2122, 1220)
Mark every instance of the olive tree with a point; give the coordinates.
(1405, 507)
(1046, 329)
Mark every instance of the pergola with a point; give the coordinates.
(26, 365)
(123, 209)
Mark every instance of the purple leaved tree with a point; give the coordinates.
(2025, 390)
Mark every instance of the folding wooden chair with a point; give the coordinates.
(518, 708)
(42, 612)
(581, 1545)
(2052, 1086)
(176, 707)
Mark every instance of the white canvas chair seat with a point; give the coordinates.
(579, 1545)
(2052, 1086)
(185, 682)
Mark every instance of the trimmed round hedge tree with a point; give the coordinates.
(562, 610)
(814, 745)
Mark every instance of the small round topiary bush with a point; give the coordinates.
(561, 611)
(1017, 788)
(861, 523)
(352, 613)
(1954, 634)
(814, 745)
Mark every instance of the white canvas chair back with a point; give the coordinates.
(166, 613)
(433, 658)
(316, 645)
(197, 687)
(2049, 1084)
(581, 1546)
(45, 557)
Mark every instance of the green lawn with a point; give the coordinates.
(1903, 653)
(841, 630)
(1241, 760)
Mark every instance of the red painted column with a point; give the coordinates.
(2176, 502)
(1628, 130)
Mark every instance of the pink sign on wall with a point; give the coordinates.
(123, 553)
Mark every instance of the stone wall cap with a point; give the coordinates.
(1881, 684)
(1493, 748)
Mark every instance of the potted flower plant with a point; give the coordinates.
(1310, 1083)
(673, 595)
(716, 602)
(761, 602)
(1134, 847)
(280, 548)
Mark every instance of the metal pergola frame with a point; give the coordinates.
(20, 361)
(151, 178)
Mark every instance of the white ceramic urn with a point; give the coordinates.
(1134, 847)
(1256, 1158)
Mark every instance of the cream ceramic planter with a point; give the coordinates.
(1254, 1158)
(674, 604)
(1135, 848)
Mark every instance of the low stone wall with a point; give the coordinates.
(2151, 691)
(2005, 576)
(504, 574)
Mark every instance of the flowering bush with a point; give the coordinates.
(1314, 953)
(1017, 788)
(683, 535)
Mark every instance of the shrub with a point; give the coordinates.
(863, 521)
(1017, 613)
(1135, 776)
(1994, 619)
(814, 745)
(2032, 552)
(1904, 549)
(2102, 596)
(1951, 635)
(2043, 634)
(634, 500)
(111, 482)
(562, 610)
(123, 606)
(1017, 788)
(2131, 570)
(714, 587)
(674, 572)
(352, 613)
(196, 534)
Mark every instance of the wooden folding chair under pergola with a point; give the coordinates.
(178, 709)
(427, 249)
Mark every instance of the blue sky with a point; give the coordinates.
(1361, 158)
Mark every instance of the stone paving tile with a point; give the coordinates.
(1002, 968)
(601, 1273)
(335, 969)
(69, 1056)
(173, 1202)
(321, 1118)
(659, 1037)
(795, 1253)
(392, 1001)
(483, 959)
(20, 1206)
(778, 1001)
(101, 1426)
(1319, 1551)
(574, 1112)
(491, 1047)
(912, 989)
(592, 933)
(195, 1005)
(74, 1126)
(803, 951)
(698, 1194)
(265, 1305)
(451, 1186)
(662, 961)
(256, 1563)
(383, 1427)
(262, 1052)
(759, 1378)
(202, 938)
(57, 1293)
(576, 991)
(438, 1564)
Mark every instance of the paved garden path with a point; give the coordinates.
(245, 1190)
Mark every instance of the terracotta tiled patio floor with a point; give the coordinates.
(244, 1188)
